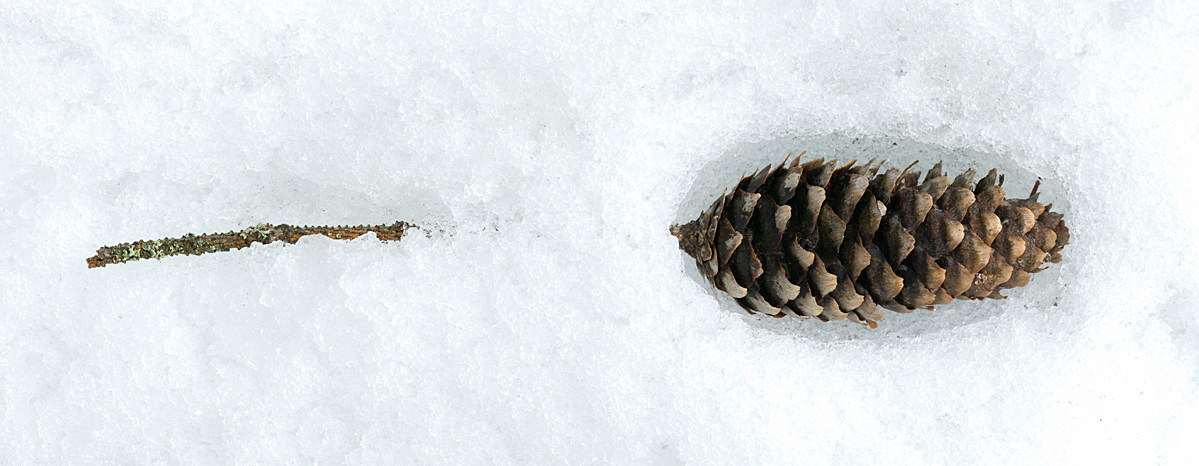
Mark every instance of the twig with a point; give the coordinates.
(262, 233)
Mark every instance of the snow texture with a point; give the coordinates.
(548, 317)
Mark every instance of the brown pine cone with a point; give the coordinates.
(814, 240)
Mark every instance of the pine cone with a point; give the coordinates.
(814, 240)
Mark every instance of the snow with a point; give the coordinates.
(548, 317)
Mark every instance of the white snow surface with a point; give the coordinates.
(548, 317)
